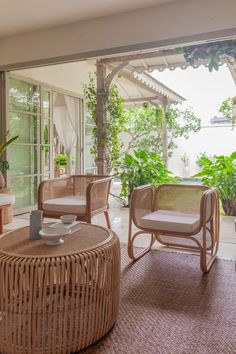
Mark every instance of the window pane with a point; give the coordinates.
(22, 159)
(46, 104)
(23, 96)
(88, 157)
(46, 159)
(25, 190)
(46, 134)
(25, 126)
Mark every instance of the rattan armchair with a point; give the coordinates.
(83, 196)
(183, 216)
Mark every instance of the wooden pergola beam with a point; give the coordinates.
(113, 73)
(129, 57)
(142, 99)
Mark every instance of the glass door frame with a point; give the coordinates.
(35, 145)
(43, 87)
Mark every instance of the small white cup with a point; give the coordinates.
(68, 219)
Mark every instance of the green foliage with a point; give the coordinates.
(114, 124)
(212, 52)
(180, 123)
(228, 109)
(141, 169)
(145, 123)
(200, 159)
(5, 144)
(61, 160)
(220, 172)
(4, 166)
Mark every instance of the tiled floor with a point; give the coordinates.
(119, 218)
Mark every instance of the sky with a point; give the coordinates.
(203, 91)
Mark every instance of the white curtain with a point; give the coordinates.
(74, 109)
(64, 126)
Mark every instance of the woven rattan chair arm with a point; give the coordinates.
(97, 194)
(141, 202)
(138, 191)
(209, 202)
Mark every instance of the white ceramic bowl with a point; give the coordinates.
(53, 235)
(68, 219)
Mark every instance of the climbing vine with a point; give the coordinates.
(114, 123)
(213, 52)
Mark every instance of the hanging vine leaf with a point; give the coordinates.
(212, 52)
(114, 124)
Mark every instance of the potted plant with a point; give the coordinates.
(4, 164)
(220, 172)
(141, 169)
(60, 161)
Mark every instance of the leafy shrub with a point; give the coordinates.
(4, 166)
(200, 158)
(61, 160)
(141, 169)
(220, 172)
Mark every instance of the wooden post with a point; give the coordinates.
(3, 115)
(164, 133)
(101, 118)
(1, 220)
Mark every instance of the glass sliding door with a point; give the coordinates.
(24, 121)
(30, 156)
(68, 133)
(46, 135)
(31, 114)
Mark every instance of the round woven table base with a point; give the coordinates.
(59, 304)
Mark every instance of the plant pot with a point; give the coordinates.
(2, 181)
(229, 207)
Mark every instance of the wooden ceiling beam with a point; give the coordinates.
(142, 99)
(136, 56)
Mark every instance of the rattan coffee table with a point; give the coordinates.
(57, 299)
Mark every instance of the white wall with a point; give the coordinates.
(172, 23)
(214, 140)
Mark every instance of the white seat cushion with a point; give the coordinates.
(71, 204)
(168, 220)
(6, 199)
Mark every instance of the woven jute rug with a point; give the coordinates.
(169, 307)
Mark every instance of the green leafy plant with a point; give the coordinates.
(143, 168)
(200, 158)
(220, 172)
(144, 124)
(114, 124)
(4, 165)
(61, 160)
(212, 52)
(228, 109)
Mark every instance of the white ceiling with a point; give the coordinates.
(19, 16)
